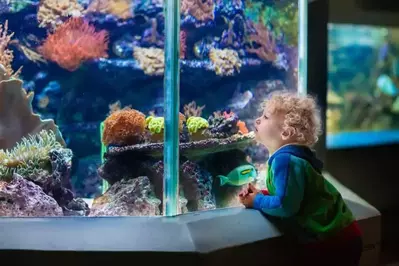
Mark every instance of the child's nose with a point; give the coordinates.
(257, 121)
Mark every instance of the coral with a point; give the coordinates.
(6, 55)
(226, 61)
(200, 9)
(29, 53)
(242, 128)
(195, 124)
(191, 109)
(151, 60)
(124, 127)
(74, 42)
(128, 197)
(155, 124)
(183, 44)
(52, 13)
(16, 117)
(119, 8)
(23, 198)
(221, 126)
(266, 42)
(29, 156)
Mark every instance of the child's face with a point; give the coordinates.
(269, 130)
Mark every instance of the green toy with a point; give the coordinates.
(241, 175)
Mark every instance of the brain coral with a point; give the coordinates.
(124, 127)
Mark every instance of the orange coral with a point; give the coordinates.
(266, 42)
(124, 127)
(242, 128)
(74, 42)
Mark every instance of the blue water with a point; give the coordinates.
(358, 139)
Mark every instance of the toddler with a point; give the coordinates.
(296, 189)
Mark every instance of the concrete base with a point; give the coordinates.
(234, 236)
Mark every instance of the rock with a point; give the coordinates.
(57, 184)
(197, 186)
(76, 207)
(193, 149)
(127, 197)
(23, 198)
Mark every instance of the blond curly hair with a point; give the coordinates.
(301, 115)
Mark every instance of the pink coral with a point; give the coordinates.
(74, 42)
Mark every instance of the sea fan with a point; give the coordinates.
(30, 156)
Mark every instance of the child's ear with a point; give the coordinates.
(287, 133)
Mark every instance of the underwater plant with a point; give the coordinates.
(74, 42)
(124, 127)
(30, 156)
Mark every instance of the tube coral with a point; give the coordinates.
(74, 42)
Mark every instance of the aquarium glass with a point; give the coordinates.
(233, 55)
(363, 86)
(82, 113)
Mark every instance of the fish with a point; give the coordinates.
(239, 176)
(240, 100)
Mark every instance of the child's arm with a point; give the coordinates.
(288, 180)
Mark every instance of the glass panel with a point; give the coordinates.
(363, 89)
(95, 68)
(233, 55)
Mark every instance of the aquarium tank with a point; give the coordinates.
(82, 113)
(363, 86)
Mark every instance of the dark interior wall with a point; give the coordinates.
(317, 61)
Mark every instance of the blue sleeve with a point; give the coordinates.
(288, 180)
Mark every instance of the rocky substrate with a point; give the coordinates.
(47, 193)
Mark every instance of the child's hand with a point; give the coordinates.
(248, 189)
(248, 200)
(247, 195)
